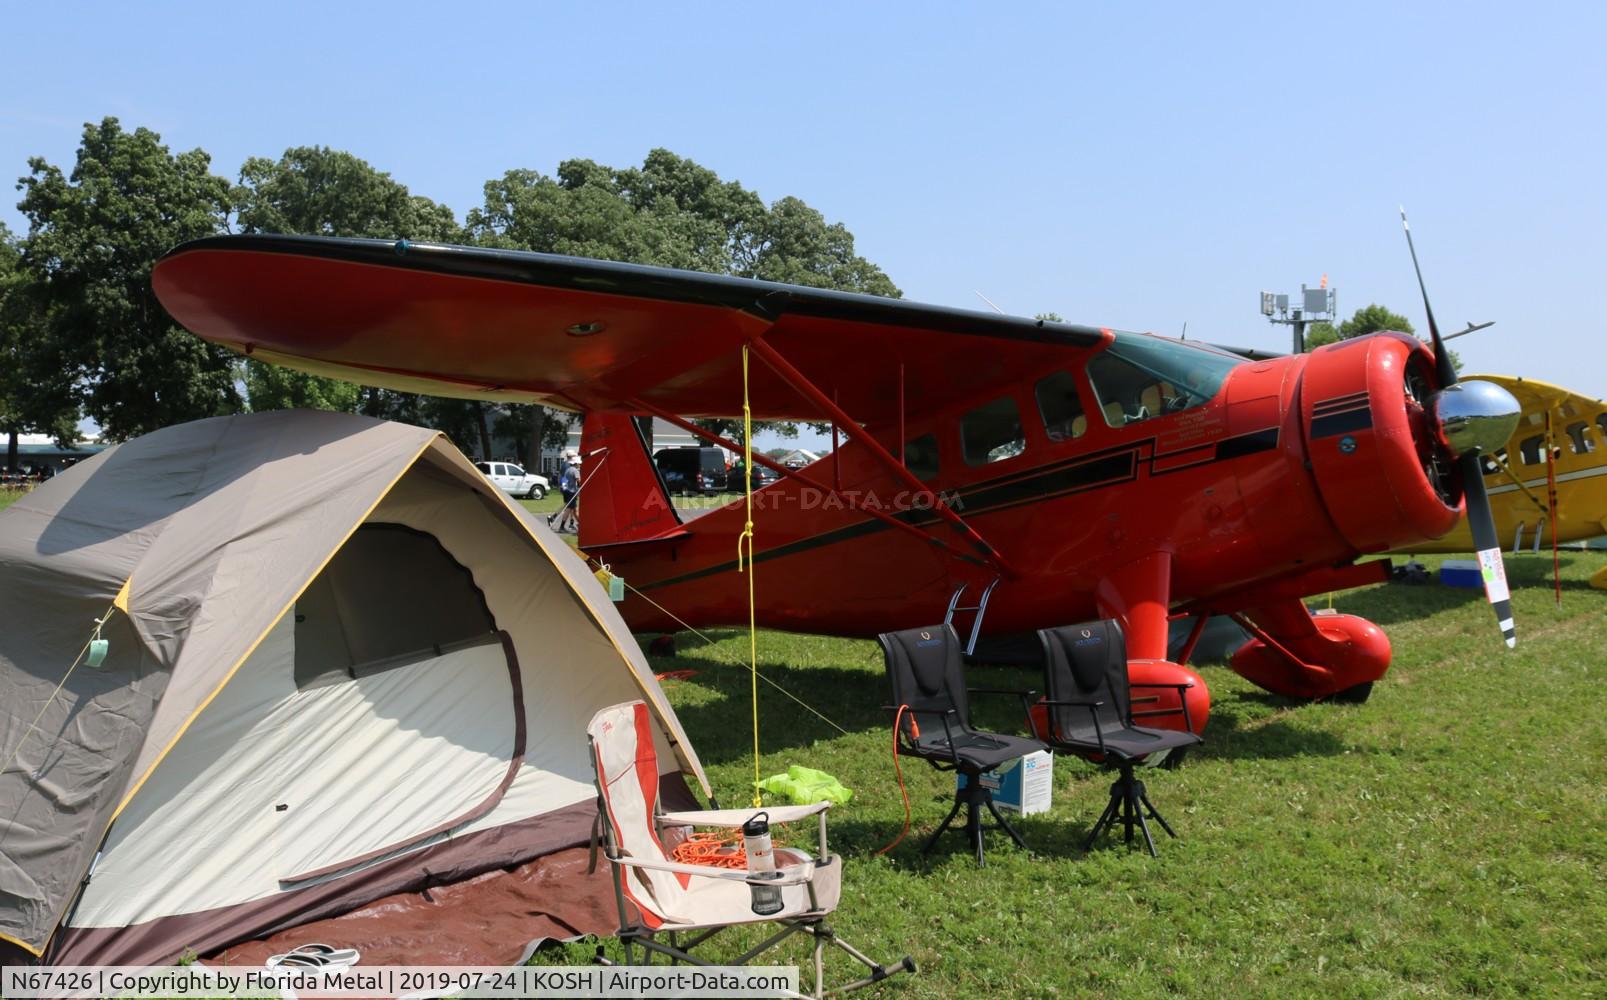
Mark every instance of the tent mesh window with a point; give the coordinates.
(391, 596)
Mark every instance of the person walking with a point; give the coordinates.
(569, 486)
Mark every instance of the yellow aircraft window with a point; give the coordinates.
(1530, 450)
(992, 433)
(1601, 421)
(1579, 434)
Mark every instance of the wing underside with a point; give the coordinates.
(587, 335)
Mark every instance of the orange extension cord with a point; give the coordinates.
(711, 849)
(897, 721)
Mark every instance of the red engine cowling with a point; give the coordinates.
(1383, 477)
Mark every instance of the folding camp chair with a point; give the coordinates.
(1090, 713)
(934, 723)
(658, 896)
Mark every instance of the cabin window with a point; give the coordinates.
(1060, 407)
(920, 456)
(992, 433)
(1579, 434)
(1140, 376)
(1530, 450)
(1601, 422)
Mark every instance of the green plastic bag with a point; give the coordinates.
(802, 786)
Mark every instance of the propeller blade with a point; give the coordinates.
(1482, 524)
(1442, 357)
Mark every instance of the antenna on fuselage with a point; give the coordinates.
(989, 301)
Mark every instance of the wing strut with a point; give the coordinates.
(774, 466)
(799, 381)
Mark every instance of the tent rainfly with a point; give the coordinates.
(340, 665)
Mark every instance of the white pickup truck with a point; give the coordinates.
(513, 480)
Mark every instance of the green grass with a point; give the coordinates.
(1444, 839)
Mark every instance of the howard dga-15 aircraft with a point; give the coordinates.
(1052, 472)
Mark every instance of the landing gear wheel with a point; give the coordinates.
(1354, 695)
(664, 645)
(1174, 760)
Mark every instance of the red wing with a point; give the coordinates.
(585, 334)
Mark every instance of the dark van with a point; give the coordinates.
(692, 469)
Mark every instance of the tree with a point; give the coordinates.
(1320, 333)
(36, 390)
(318, 191)
(673, 213)
(93, 237)
(1372, 319)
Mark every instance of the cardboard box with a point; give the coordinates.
(1022, 786)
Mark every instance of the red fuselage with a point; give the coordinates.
(1297, 465)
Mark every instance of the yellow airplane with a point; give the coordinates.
(1516, 476)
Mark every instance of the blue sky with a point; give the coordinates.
(1124, 165)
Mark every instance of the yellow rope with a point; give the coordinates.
(746, 538)
(99, 622)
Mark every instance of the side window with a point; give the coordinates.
(1580, 435)
(992, 433)
(1062, 412)
(484, 467)
(1601, 422)
(514, 470)
(920, 456)
(1126, 393)
(1529, 450)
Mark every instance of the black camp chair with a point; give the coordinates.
(928, 678)
(1090, 712)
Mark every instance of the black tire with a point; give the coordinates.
(663, 645)
(1354, 695)
(535, 493)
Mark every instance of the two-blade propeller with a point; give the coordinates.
(1473, 418)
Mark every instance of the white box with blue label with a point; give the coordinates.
(1023, 786)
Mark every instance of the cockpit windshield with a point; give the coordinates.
(1142, 376)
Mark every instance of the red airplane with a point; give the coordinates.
(1052, 472)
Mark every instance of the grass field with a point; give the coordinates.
(1444, 839)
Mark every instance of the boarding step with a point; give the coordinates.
(978, 610)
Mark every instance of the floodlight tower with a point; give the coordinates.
(1319, 304)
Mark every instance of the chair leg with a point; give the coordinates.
(932, 840)
(1106, 819)
(1005, 824)
(973, 829)
(1156, 813)
(1129, 803)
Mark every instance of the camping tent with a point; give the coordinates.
(340, 665)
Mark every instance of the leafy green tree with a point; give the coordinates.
(318, 191)
(93, 237)
(270, 387)
(1320, 333)
(36, 389)
(672, 212)
(1371, 319)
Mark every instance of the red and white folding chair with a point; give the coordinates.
(657, 896)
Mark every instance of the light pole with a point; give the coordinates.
(1320, 304)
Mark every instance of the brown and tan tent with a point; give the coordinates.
(340, 665)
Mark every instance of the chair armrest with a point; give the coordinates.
(790, 875)
(1182, 698)
(1093, 713)
(730, 819)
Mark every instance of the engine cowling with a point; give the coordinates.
(1374, 448)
